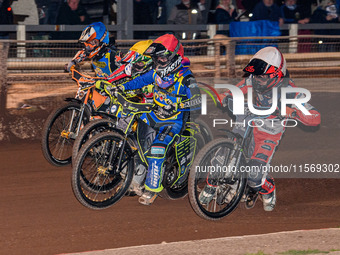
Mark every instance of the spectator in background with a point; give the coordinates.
(331, 9)
(203, 9)
(185, 13)
(225, 12)
(267, 10)
(42, 6)
(293, 13)
(6, 16)
(72, 12)
(48, 10)
(161, 14)
(326, 12)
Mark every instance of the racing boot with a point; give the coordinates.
(148, 197)
(269, 201)
(207, 194)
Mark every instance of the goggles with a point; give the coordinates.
(91, 44)
(161, 61)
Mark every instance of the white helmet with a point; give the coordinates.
(268, 63)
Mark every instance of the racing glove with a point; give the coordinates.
(171, 107)
(147, 89)
(225, 97)
(69, 66)
(121, 87)
(108, 87)
(101, 84)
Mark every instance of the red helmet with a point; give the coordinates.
(167, 53)
(267, 68)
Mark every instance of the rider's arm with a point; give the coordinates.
(140, 81)
(193, 101)
(118, 74)
(79, 57)
(309, 120)
(314, 119)
(243, 85)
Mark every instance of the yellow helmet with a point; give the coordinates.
(140, 47)
(135, 52)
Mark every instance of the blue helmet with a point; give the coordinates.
(97, 31)
(90, 35)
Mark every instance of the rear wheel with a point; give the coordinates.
(228, 186)
(180, 190)
(97, 181)
(59, 133)
(205, 131)
(177, 190)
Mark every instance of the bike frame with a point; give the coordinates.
(86, 86)
(134, 110)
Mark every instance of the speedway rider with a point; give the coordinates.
(266, 69)
(132, 64)
(108, 63)
(99, 48)
(175, 94)
(106, 59)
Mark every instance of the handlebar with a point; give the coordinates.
(129, 107)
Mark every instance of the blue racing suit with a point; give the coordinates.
(103, 63)
(174, 96)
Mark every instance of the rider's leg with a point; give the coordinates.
(258, 178)
(156, 158)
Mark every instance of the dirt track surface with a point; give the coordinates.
(40, 215)
(319, 241)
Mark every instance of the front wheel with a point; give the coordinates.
(212, 164)
(102, 171)
(59, 133)
(91, 129)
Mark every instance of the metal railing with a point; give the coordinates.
(126, 31)
(219, 57)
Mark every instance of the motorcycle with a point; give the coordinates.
(106, 164)
(223, 160)
(109, 124)
(64, 124)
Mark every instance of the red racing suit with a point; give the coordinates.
(265, 138)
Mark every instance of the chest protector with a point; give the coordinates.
(168, 93)
(104, 64)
